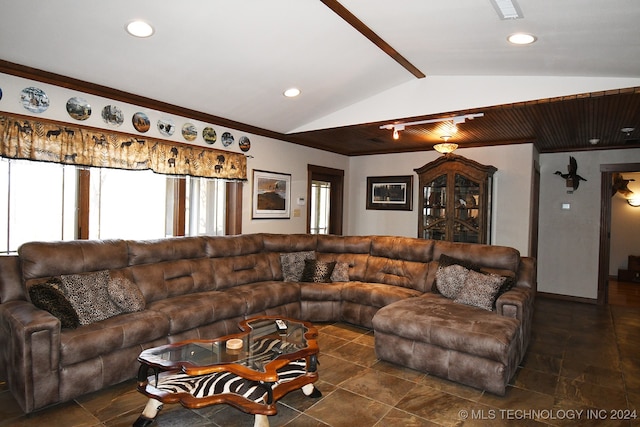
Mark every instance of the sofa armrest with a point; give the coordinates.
(30, 339)
(516, 303)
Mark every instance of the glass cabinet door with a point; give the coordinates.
(434, 209)
(455, 200)
(466, 226)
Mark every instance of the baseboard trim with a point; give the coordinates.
(567, 298)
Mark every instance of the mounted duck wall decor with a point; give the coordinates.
(620, 185)
(572, 178)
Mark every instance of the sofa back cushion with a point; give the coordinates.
(50, 259)
(500, 260)
(351, 250)
(344, 244)
(286, 243)
(169, 249)
(163, 279)
(397, 272)
(226, 246)
(239, 270)
(490, 256)
(356, 263)
(402, 248)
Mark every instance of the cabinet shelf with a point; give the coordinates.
(455, 193)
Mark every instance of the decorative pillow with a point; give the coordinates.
(89, 296)
(340, 272)
(47, 296)
(317, 271)
(446, 261)
(450, 280)
(480, 290)
(125, 294)
(510, 278)
(293, 264)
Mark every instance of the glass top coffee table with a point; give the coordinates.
(250, 370)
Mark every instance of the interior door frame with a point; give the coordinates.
(336, 178)
(606, 192)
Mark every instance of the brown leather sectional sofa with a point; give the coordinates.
(200, 287)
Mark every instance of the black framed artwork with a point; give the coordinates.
(390, 192)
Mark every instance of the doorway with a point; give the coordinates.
(606, 192)
(324, 194)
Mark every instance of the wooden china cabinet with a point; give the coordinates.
(455, 200)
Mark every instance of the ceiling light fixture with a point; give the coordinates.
(507, 9)
(292, 92)
(396, 127)
(445, 147)
(627, 130)
(521, 39)
(139, 28)
(594, 141)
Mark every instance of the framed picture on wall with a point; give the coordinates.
(390, 192)
(271, 195)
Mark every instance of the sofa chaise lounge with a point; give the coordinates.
(201, 287)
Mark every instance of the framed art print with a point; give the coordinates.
(271, 195)
(390, 192)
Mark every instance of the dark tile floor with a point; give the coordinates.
(582, 367)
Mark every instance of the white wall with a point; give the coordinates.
(511, 201)
(283, 157)
(569, 240)
(625, 228)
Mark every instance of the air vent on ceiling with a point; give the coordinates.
(507, 9)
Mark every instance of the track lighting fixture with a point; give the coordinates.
(452, 129)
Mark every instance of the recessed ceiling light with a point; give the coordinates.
(521, 38)
(292, 92)
(139, 28)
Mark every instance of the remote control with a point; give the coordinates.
(282, 327)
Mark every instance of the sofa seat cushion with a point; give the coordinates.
(310, 291)
(436, 320)
(260, 296)
(375, 294)
(109, 335)
(189, 311)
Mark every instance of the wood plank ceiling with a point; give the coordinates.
(553, 125)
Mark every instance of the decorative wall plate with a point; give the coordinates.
(141, 122)
(244, 143)
(0, 93)
(78, 108)
(112, 115)
(227, 139)
(166, 127)
(34, 99)
(209, 135)
(189, 131)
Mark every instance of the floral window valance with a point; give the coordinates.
(48, 141)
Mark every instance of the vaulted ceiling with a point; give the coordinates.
(359, 64)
